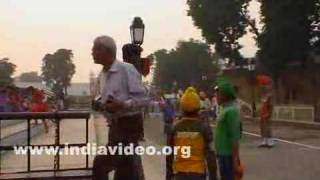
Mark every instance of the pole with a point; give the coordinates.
(139, 62)
(253, 98)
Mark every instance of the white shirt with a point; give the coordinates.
(123, 82)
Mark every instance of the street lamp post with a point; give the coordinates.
(137, 35)
(132, 52)
(252, 68)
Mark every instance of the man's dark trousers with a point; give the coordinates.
(125, 130)
(226, 167)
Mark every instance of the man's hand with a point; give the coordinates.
(239, 172)
(114, 106)
(235, 156)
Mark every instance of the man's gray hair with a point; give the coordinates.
(107, 42)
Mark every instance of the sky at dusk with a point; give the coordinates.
(31, 28)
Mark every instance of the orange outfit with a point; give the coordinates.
(39, 107)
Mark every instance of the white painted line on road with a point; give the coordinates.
(251, 134)
(284, 141)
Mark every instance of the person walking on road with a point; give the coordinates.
(228, 132)
(168, 114)
(39, 104)
(122, 97)
(214, 106)
(205, 106)
(192, 131)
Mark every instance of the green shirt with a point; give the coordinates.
(228, 129)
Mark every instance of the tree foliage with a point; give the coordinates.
(30, 77)
(286, 33)
(291, 29)
(315, 27)
(222, 23)
(58, 70)
(185, 65)
(6, 71)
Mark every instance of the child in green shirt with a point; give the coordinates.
(228, 131)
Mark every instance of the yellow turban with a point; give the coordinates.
(190, 100)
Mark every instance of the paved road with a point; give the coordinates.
(10, 122)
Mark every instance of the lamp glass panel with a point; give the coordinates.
(138, 35)
(132, 34)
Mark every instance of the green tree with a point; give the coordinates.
(286, 40)
(185, 65)
(58, 70)
(290, 29)
(222, 23)
(315, 27)
(315, 44)
(286, 33)
(6, 71)
(30, 77)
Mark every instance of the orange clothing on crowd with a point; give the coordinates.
(37, 104)
(37, 96)
(39, 107)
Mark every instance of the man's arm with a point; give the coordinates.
(137, 92)
(210, 153)
(235, 155)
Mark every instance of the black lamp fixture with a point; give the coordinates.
(137, 31)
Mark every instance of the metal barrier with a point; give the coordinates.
(300, 113)
(57, 116)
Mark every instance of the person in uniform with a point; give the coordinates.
(265, 119)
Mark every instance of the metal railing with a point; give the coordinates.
(57, 117)
(302, 113)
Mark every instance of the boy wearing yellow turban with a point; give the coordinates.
(193, 132)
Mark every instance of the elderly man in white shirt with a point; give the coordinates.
(123, 96)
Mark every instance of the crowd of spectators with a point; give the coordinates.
(14, 99)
